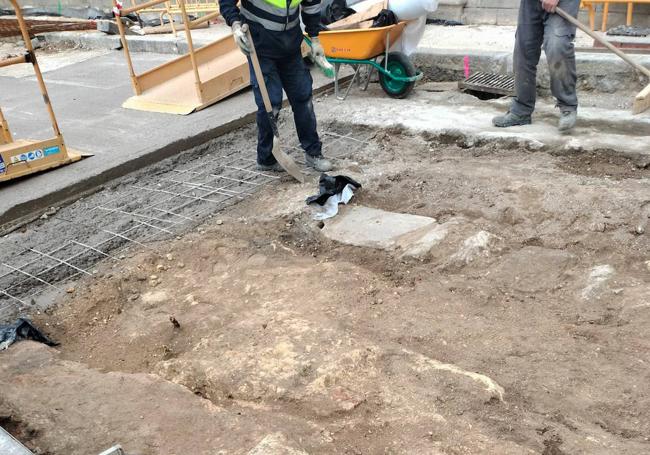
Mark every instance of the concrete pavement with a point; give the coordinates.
(87, 98)
(88, 86)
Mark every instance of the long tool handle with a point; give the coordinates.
(260, 82)
(280, 155)
(602, 41)
(34, 61)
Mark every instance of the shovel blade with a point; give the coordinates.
(287, 162)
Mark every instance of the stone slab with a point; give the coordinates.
(448, 13)
(374, 228)
(10, 446)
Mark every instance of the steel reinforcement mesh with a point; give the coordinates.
(157, 203)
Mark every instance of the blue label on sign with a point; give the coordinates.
(51, 151)
(3, 168)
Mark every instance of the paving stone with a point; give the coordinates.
(374, 228)
(10, 446)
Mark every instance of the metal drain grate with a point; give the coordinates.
(499, 84)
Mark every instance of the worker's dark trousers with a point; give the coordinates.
(536, 29)
(292, 75)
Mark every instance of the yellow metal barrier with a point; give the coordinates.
(22, 157)
(589, 5)
(5, 134)
(190, 82)
(173, 7)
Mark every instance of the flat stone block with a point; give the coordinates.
(448, 13)
(490, 16)
(506, 4)
(374, 228)
(10, 446)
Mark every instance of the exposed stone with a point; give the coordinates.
(480, 244)
(275, 444)
(597, 280)
(374, 228)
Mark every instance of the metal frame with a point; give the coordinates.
(589, 5)
(170, 9)
(5, 134)
(22, 157)
(215, 71)
(358, 64)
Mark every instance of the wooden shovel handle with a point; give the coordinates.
(258, 74)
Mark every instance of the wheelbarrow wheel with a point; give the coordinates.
(398, 65)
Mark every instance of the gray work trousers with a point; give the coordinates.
(536, 29)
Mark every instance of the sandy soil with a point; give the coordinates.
(533, 342)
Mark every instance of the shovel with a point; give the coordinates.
(642, 99)
(281, 157)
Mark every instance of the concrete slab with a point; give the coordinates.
(467, 120)
(374, 228)
(87, 93)
(87, 98)
(10, 446)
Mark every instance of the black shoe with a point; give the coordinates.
(275, 167)
(510, 119)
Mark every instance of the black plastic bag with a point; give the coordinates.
(329, 186)
(385, 18)
(22, 329)
(334, 11)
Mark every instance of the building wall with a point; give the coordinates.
(74, 8)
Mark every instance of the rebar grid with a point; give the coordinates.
(158, 207)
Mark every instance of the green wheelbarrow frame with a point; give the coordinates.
(358, 64)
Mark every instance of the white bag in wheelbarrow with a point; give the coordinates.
(416, 12)
(408, 10)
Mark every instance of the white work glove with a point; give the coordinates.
(240, 33)
(317, 52)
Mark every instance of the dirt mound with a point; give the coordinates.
(524, 330)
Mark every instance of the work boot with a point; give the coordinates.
(275, 167)
(510, 119)
(567, 121)
(320, 163)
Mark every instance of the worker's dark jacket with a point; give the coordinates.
(275, 24)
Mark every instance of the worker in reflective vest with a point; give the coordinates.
(277, 36)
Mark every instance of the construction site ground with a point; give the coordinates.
(88, 82)
(523, 330)
(200, 309)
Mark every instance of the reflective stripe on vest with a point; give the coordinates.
(268, 24)
(283, 3)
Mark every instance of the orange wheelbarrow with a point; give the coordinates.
(364, 48)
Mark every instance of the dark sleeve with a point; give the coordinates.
(229, 11)
(310, 10)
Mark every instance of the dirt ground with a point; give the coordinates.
(258, 335)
